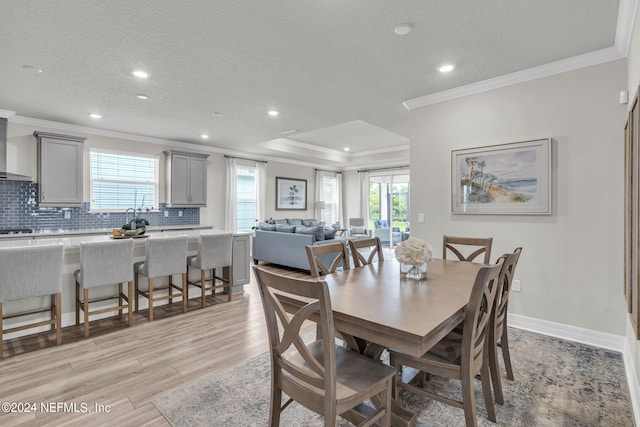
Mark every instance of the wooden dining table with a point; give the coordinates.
(385, 310)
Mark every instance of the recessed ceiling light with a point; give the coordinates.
(141, 96)
(140, 74)
(204, 136)
(273, 113)
(446, 68)
(403, 29)
(347, 148)
(217, 114)
(95, 115)
(289, 132)
(32, 68)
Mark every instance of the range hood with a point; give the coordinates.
(4, 175)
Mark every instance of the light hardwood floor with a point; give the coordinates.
(126, 368)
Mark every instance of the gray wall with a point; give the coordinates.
(571, 265)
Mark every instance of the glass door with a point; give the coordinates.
(389, 207)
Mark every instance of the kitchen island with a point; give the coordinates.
(72, 241)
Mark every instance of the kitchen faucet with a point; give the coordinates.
(126, 215)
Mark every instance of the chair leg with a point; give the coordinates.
(77, 303)
(504, 340)
(469, 401)
(120, 298)
(170, 289)
(150, 291)
(86, 312)
(137, 291)
(185, 291)
(230, 285)
(52, 311)
(486, 391)
(202, 286)
(58, 318)
(276, 402)
(130, 302)
(494, 368)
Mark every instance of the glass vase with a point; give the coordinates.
(414, 272)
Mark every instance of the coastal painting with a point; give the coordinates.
(510, 178)
(291, 194)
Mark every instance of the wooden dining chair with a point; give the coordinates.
(374, 246)
(461, 357)
(327, 257)
(498, 335)
(455, 244)
(322, 376)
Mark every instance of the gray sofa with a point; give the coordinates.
(287, 249)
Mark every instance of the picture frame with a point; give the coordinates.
(291, 194)
(504, 179)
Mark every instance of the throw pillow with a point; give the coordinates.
(329, 234)
(266, 227)
(285, 228)
(294, 221)
(357, 230)
(315, 231)
(281, 221)
(309, 222)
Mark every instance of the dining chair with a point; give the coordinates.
(460, 357)
(102, 264)
(322, 376)
(327, 257)
(32, 271)
(214, 251)
(164, 256)
(455, 244)
(498, 335)
(374, 246)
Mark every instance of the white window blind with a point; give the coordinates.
(246, 198)
(120, 181)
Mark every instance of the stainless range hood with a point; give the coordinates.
(4, 175)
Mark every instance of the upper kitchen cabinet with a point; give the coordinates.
(186, 179)
(59, 169)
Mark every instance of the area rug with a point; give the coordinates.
(557, 383)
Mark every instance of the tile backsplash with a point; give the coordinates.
(19, 209)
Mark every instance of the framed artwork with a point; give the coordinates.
(291, 194)
(506, 179)
(632, 214)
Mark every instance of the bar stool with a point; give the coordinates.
(214, 251)
(164, 256)
(32, 271)
(101, 264)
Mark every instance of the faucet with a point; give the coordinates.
(126, 215)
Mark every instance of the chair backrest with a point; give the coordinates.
(381, 223)
(477, 322)
(374, 246)
(30, 271)
(356, 222)
(502, 299)
(214, 250)
(104, 263)
(484, 244)
(321, 260)
(165, 256)
(319, 374)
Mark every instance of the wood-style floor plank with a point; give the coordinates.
(126, 368)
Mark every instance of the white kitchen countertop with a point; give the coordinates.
(89, 231)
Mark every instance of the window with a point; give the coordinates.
(246, 205)
(330, 196)
(120, 181)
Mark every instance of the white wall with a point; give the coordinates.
(571, 265)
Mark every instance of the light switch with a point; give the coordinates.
(421, 217)
(166, 214)
(67, 214)
(179, 213)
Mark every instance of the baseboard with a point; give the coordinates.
(612, 342)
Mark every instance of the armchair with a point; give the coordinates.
(382, 231)
(357, 228)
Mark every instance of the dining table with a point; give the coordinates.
(376, 308)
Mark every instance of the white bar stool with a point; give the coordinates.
(101, 264)
(164, 256)
(214, 251)
(32, 271)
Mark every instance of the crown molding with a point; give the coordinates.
(624, 29)
(546, 70)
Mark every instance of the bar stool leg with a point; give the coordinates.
(150, 291)
(1, 334)
(170, 289)
(203, 274)
(137, 291)
(185, 291)
(86, 312)
(58, 319)
(130, 302)
(230, 284)
(120, 298)
(77, 304)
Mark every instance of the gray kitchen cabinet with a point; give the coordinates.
(59, 169)
(186, 179)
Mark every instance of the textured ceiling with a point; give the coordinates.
(335, 69)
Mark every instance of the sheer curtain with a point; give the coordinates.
(364, 197)
(333, 200)
(230, 216)
(261, 193)
(319, 192)
(338, 211)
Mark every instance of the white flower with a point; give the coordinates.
(414, 251)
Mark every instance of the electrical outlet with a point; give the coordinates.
(516, 286)
(421, 217)
(67, 214)
(179, 213)
(166, 214)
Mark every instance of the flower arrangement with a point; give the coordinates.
(413, 255)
